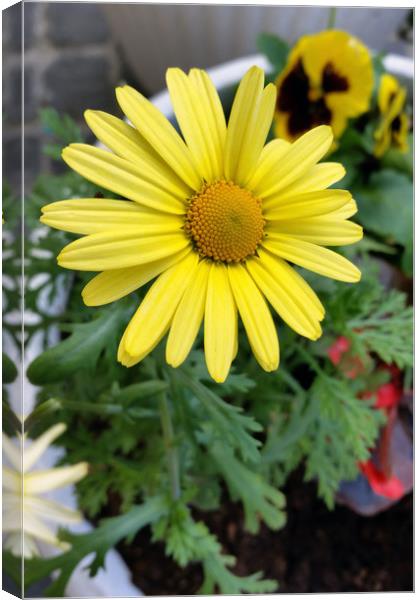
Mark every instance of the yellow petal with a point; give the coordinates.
(12, 480)
(38, 482)
(13, 450)
(256, 317)
(311, 204)
(325, 230)
(345, 212)
(126, 359)
(194, 115)
(21, 545)
(220, 321)
(122, 177)
(317, 178)
(214, 110)
(288, 293)
(301, 156)
(160, 134)
(249, 123)
(112, 285)
(50, 510)
(39, 446)
(188, 317)
(388, 91)
(127, 142)
(270, 157)
(39, 530)
(127, 247)
(155, 313)
(315, 258)
(93, 215)
(256, 131)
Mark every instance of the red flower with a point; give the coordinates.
(351, 366)
(387, 395)
(337, 349)
(389, 487)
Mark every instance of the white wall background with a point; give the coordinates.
(154, 37)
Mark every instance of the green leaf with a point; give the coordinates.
(261, 501)
(400, 161)
(275, 49)
(385, 327)
(188, 540)
(386, 206)
(216, 575)
(9, 370)
(342, 435)
(80, 350)
(139, 391)
(12, 425)
(62, 127)
(99, 541)
(407, 260)
(227, 420)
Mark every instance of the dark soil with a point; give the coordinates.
(317, 551)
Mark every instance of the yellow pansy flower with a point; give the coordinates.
(27, 516)
(328, 79)
(216, 216)
(394, 123)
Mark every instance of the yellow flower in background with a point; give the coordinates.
(27, 516)
(394, 123)
(327, 80)
(215, 218)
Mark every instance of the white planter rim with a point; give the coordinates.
(231, 72)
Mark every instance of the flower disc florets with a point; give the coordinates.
(225, 222)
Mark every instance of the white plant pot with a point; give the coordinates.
(155, 36)
(115, 580)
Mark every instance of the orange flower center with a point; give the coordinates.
(225, 222)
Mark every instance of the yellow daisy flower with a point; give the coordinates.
(216, 217)
(328, 79)
(27, 516)
(394, 123)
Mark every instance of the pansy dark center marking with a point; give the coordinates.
(333, 81)
(391, 98)
(307, 107)
(396, 124)
(294, 98)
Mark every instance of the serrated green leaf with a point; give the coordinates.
(80, 350)
(261, 501)
(226, 418)
(99, 541)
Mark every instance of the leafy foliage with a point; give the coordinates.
(261, 501)
(81, 349)
(374, 322)
(188, 541)
(9, 370)
(62, 128)
(99, 541)
(340, 436)
(275, 49)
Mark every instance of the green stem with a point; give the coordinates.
(310, 360)
(331, 17)
(170, 447)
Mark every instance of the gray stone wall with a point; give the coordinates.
(69, 62)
